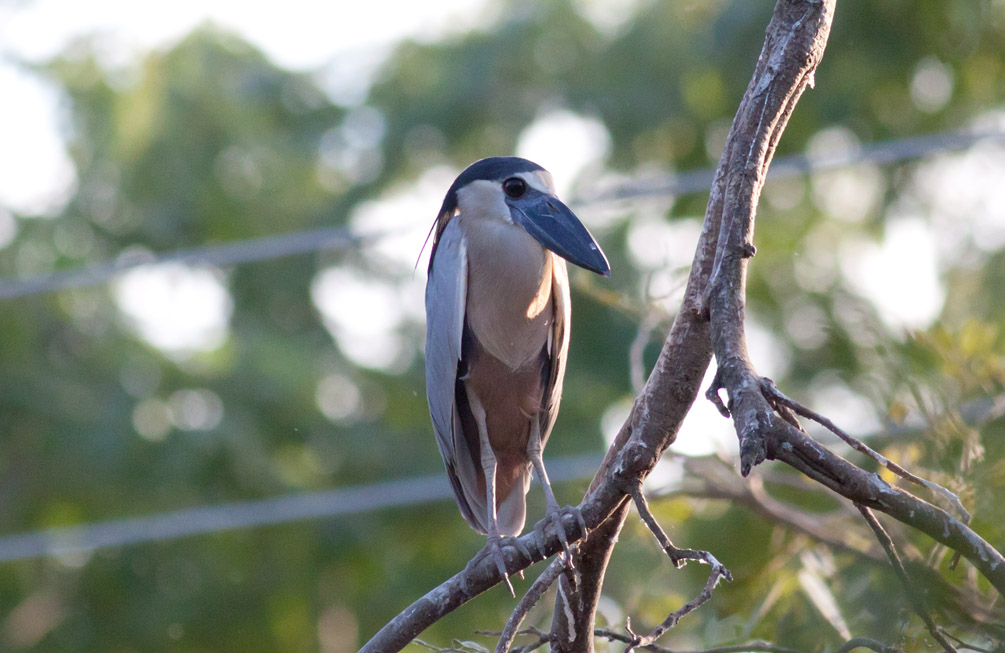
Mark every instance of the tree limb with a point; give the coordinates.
(785, 403)
(794, 43)
(711, 318)
(529, 600)
(763, 431)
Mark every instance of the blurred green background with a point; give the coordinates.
(876, 297)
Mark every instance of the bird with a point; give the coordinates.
(497, 338)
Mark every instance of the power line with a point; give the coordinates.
(350, 500)
(241, 251)
(335, 238)
(247, 514)
(398, 493)
(344, 501)
(879, 153)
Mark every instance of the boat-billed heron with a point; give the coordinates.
(497, 337)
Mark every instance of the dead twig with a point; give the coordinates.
(915, 598)
(782, 402)
(541, 637)
(679, 557)
(865, 642)
(752, 647)
(529, 600)
(962, 644)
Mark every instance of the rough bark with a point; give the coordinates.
(794, 44)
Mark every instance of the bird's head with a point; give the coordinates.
(521, 192)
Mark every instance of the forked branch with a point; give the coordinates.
(784, 403)
(793, 46)
(765, 425)
(711, 318)
(679, 557)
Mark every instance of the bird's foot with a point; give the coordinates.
(556, 515)
(494, 546)
(577, 514)
(519, 546)
(540, 539)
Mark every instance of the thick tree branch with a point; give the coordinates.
(764, 431)
(711, 318)
(576, 603)
(792, 446)
(792, 49)
(794, 43)
(784, 403)
(711, 478)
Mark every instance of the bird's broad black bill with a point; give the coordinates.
(555, 226)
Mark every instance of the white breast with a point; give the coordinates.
(509, 306)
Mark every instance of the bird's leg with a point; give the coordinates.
(489, 468)
(534, 450)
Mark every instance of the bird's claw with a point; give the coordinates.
(518, 545)
(576, 514)
(556, 518)
(540, 539)
(494, 548)
(556, 515)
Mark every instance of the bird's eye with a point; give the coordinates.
(515, 187)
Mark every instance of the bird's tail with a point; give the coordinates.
(511, 507)
(512, 484)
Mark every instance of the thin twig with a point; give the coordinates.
(636, 363)
(529, 600)
(915, 598)
(865, 642)
(961, 644)
(752, 647)
(679, 557)
(780, 400)
(456, 646)
(542, 637)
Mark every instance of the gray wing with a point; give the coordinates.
(446, 296)
(558, 346)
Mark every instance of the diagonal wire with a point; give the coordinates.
(334, 238)
(262, 512)
(242, 251)
(793, 165)
(351, 500)
(329, 503)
